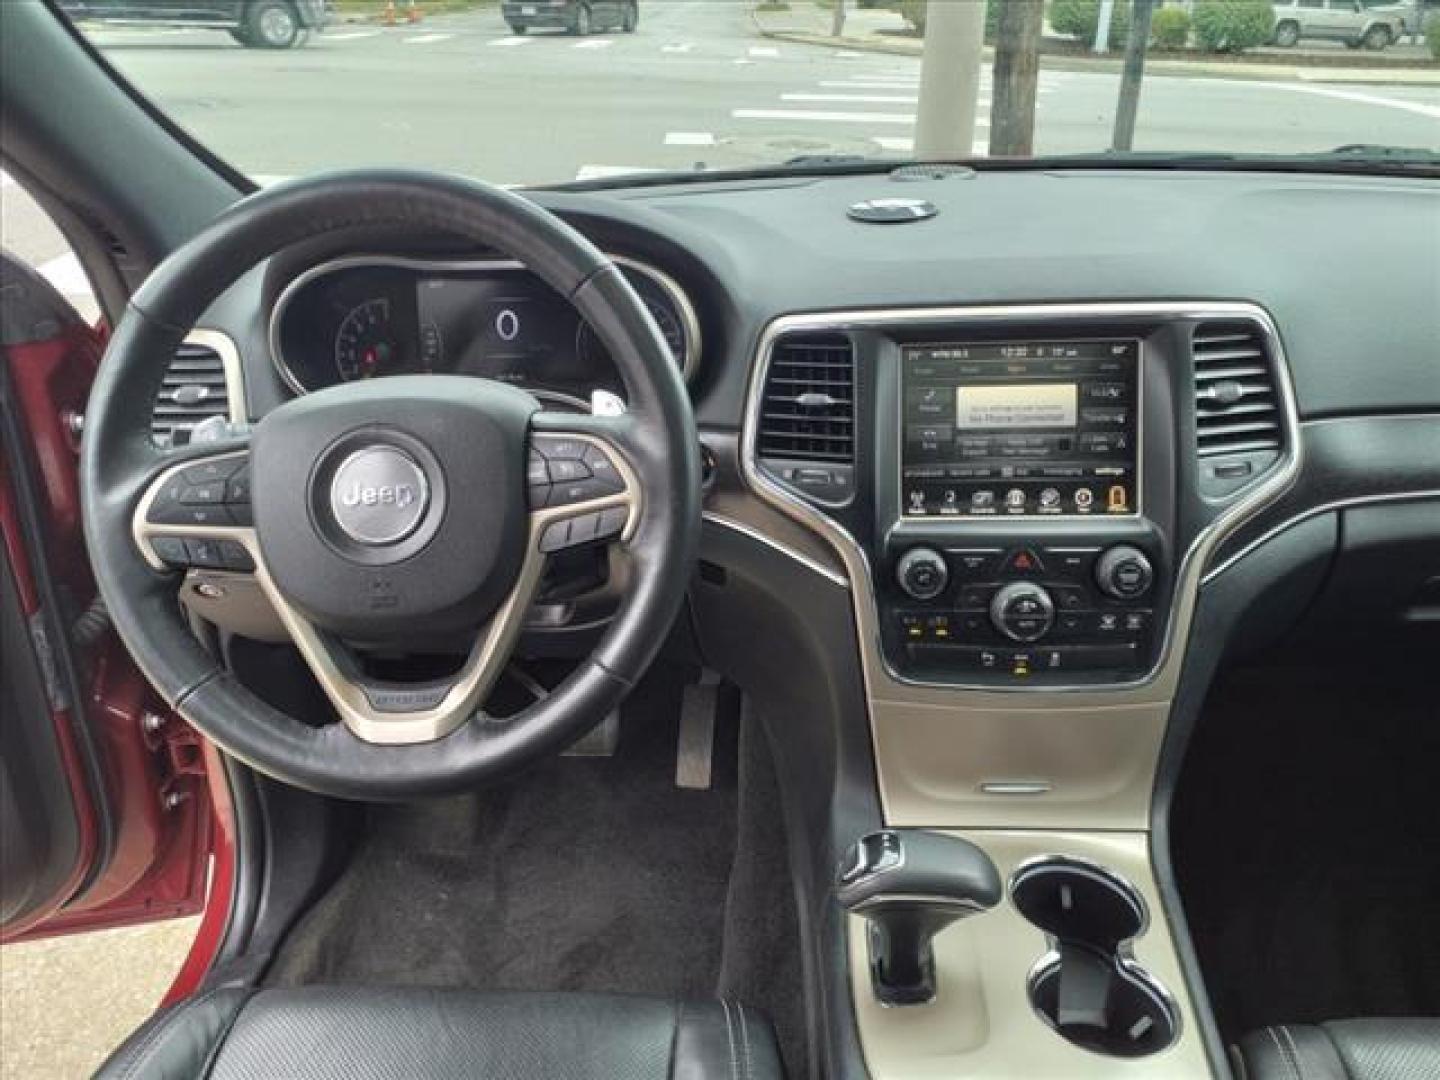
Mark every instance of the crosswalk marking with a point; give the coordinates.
(427, 39)
(763, 50)
(351, 35)
(821, 116)
(689, 138)
(513, 41)
(869, 99)
(602, 172)
(677, 47)
(593, 43)
(979, 148)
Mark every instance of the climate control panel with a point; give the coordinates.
(1026, 612)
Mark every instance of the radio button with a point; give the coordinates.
(1068, 597)
(922, 573)
(976, 597)
(1124, 573)
(1022, 611)
(979, 563)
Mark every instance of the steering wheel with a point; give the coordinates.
(373, 512)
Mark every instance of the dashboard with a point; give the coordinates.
(368, 317)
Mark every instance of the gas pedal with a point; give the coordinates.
(695, 748)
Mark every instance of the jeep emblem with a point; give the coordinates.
(378, 495)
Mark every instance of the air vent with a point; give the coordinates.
(807, 415)
(1237, 402)
(193, 391)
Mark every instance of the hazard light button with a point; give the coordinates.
(1024, 562)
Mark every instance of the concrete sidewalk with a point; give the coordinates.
(884, 31)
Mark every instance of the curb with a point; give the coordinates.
(1153, 65)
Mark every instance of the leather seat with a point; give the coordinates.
(346, 1033)
(1391, 1049)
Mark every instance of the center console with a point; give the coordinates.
(1003, 443)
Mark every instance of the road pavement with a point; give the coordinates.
(695, 86)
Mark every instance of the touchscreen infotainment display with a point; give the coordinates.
(1020, 429)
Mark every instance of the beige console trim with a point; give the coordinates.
(981, 1023)
(1095, 748)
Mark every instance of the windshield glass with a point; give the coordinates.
(547, 91)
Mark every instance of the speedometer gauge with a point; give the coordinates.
(365, 344)
(667, 306)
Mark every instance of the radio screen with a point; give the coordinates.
(1020, 429)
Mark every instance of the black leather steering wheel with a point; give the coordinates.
(374, 511)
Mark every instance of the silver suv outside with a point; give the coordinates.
(1354, 22)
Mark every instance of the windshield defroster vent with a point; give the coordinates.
(1238, 430)
(193, 391)
(807, 415)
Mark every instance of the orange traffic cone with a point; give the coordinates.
(388, 19)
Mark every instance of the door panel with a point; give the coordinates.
(103, 791)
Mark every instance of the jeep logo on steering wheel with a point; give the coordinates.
(378, 495)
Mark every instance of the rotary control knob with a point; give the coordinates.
(1123, 572)
(1022, 611)
(922, 573)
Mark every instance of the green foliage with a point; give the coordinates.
(1233, 25)
(1170, 28)
(1081, 19)
(1432, 38)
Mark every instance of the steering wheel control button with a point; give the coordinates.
(578, 491)
(611, 523)
(565, 470)
(211, 471)
(1124, 573)
(603, 469)
(205, 553)
(210, 493)
(233, 556)
(379, 495)
(560, 448)
(555, 537)
(170, 550)
(1022, 611)
(583, 529)
(922, 573)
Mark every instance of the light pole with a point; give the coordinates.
(837, 22)
(949, 81)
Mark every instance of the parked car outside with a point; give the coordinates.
(1353, 22)
(578, 17)
(256, 24)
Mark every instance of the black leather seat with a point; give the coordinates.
(1391, 1049)
(344, 1033)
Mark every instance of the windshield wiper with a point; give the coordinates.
(1394, 155)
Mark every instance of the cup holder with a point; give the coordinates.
(1088, 988)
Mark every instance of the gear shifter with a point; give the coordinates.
(909, 885)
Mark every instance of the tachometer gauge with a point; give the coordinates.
(365, 344)
(592, 351)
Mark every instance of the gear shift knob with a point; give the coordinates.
(909, 885)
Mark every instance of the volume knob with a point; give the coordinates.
(922, 573)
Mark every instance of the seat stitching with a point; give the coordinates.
(142, 1052)
(730, 1038)
(744, 1040)
(1293, 1067)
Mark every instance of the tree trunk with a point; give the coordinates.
(1017, 73)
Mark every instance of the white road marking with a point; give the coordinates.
(600, 172)
(514, 40)
(351, 35)
(677, 47)
(867, 84)
(689, 138)
(866, 99)
(741, 60)
(819, 116)
(763, 50)
(427, 39)
(1363, 99)
(847, 54)
(593, 43)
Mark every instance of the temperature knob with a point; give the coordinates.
(922, 573)
(1022, 611)
(1124, 573)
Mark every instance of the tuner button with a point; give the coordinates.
(1124, 573)
(1022, 611)
(922, 573)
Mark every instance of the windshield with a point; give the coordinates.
(548, 91)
